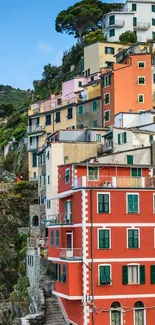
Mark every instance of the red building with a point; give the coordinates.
(103, 244)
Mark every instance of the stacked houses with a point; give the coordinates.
(92, 151)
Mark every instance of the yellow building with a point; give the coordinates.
(97, 55)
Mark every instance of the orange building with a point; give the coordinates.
(127, 87)
(103, 244)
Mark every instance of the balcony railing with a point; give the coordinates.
(61, 218)
(116, 23)
(36, 128)
(114, 181)
(143, 26)
(71, 253)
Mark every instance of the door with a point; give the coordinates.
(69, 240)
(112, 20)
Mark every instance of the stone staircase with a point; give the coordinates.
(53, 315)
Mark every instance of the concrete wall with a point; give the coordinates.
(133, 119)
(34, 211)
(33, 271)
(89, 115)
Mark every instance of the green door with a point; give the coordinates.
(112, 20)
(136, 172)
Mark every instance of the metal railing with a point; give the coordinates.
(116, 23)
(114, 181)
(142, 26)
(71, 253)
(36, 128)
(61, 218)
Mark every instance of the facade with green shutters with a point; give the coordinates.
(89, 113)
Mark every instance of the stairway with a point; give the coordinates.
(53, 315)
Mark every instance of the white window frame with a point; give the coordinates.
(108, 110)
(109, 200)
(104, 228)
(138, 265)
(132, 193)
(144, 315)
(69, 175)
(99, 273)
(153, 203)
(143, 99)
(121, 316)
(94, 180)
(144, 80)
(144, 64)
(135, 228)
(109, 98)
(106, 77)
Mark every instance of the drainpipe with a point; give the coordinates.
(92, 256)
(53, 121)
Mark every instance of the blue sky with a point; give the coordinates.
(29, 40)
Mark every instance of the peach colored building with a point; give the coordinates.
(127, 87)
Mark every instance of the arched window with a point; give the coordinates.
(139, 313)
(116, 313)
(35, 221)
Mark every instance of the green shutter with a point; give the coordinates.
(151, 138)
(124, 137)
(135, 203)
(124, 274)
(52, 238)
(135, 238)
(136, 172)
(106, 202)
(134, 21)
(130, 238)
(104, 241)
(55, 271)
(34, 159)
(80, 110)
(112, 20)
(63, 277)
(142, 274)
(100, 203)
(152, 270)
(134, 6)
(67, 176)
(57, 238)
(102, 275)
(130, 160)
(94, 106)
(130, 203)
(107, 274)
(119, 138)
(153, 21)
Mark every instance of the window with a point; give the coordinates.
(141, 80)
(133, 274)
(80, 110)
(107, 116)
(134, 7)
(136, 172)
(107, 81)
(141, 64)
(153, 8)
(57, 272)
(104, 238)
(57, 238)
(107, 98)
(63, 277)
(133, 238)
(134, 21)
(109, 50)
(48, 204)
(48, 179)
(30, 260)
(34, 159)
(141, 98)
(122, 138)
(34, 175)
(153, 22)
(92, 78)
(111, 32)
(94, 106)
(80, 126)
(153, 35)
(129, 160)
(112, 20)
(57, 120)
(48, 119)
(116, 317)
(67, 176)
(154, 78)
(52, 238)
(132, 203)
(48, 155)
(93, 173)
(103, 203)
(139, 313)
(70, 113)
(95, 124)
(80, 83)
(104, 274)
(152, 273)
(68, 211)
(59, 101)
(98, 137)
(151, 138)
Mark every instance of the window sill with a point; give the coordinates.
(104, 285)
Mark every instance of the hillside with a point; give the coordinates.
(16, 97)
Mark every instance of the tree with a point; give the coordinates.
(83, 17)
(96, 36)
(128, 37)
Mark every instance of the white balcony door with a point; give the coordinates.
(69, 240)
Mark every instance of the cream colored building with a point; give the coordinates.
(97, 55)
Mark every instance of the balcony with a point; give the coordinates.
(36, 128)
(114, 181)
(115, 24)
(142, 26)
(71, 254)
(33, 146)
(61, 219)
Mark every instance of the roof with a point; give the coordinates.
(97, 164)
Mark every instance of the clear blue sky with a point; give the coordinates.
(29, 40)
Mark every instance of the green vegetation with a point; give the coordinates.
(16, 97)
(95, 36)
(128, 37)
